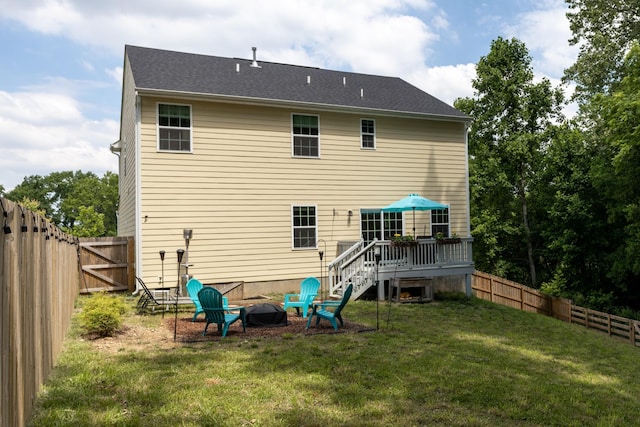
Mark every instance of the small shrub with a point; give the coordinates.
(102, 314)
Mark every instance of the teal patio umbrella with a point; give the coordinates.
(413, 202)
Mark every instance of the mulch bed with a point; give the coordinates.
(188, 331)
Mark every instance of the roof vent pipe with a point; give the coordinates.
(255, 61)
(308, 80)
(344, 81)
(237, 68)
(361, 93)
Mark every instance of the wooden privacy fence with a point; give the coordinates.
(512, 294)
(38, 287)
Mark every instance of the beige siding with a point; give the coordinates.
(237, 187)
(127, 169)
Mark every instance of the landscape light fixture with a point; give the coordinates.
(321, 255)
(377, 254)
(162, 281)
(180, 253)
(6, 228)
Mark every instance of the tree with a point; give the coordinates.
(511, 128)
(573, 229)
(61, 195)
(89, 223)
(615, 129)
(605, 29)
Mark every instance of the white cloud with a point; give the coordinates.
(46, 126)
(46, 132)
(546, 32)
(447, 82)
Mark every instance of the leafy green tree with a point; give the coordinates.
(573, 229)
(62, 194)
(605, 29)
(512, 125)
(89, 223)
(615, 130)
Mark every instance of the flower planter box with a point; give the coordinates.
(403, 244)
(449, 241)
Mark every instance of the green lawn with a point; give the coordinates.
(453, 362)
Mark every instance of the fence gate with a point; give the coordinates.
(106, 264)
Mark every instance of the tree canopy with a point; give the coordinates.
(556, 204)
(605, 31)
(75, 201)
(513, 117)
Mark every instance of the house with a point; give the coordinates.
(272, 164)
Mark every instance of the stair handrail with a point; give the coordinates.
(345, 271)
(332, 272)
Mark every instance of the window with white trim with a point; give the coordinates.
(174, 127)
(305, 133)
(375, 224)
(304, 222)
(440, 222)
(367, 133)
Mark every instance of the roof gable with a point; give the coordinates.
(163, 70)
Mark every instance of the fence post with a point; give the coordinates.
(491, 288)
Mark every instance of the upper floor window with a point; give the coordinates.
(440, 222)
(368, 133)
(304, 226)
(306, 141)
(174, 127)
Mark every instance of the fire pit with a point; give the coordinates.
(266, 315)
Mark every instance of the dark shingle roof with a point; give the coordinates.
(163, 70)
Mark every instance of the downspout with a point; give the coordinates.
(466, 175)
(138, 192)
(467, 277)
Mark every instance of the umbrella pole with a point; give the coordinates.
(414, 222)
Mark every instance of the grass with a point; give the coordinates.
(454, 362)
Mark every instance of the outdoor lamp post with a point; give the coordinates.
(321, 255)
(162, 281)
(377, 254)
(188, 235)
(180, 253)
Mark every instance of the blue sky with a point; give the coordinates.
(61, 69)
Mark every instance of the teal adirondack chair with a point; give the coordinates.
(308, 291)
(193, 287)
(330, 310)
(212, 304)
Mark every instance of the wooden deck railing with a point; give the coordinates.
(424, 258)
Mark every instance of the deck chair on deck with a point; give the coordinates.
(212, 304)
(193, 287)
(308, 291)
(331, 310)
(147, 299)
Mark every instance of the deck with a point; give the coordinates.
(423, 258)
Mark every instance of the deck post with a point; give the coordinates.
(467, 283)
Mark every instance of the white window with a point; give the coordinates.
(368, 133)
(305, 132)
(375, 224)
(304, 222)
(440, 222)
(174, 127)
